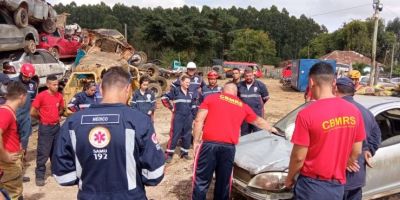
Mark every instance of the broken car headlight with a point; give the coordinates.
(270, 181)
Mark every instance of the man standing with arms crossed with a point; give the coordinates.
(221, 115)
(255, 94)
(47, 108)
(324, 142)
(345, 88)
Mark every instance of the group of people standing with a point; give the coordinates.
(21, 103)
(111, 151)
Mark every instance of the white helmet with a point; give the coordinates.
(191, 65)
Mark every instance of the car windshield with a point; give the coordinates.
(285, 126)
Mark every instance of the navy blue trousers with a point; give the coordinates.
(181, 128)
(47, 136)
(307, 188)
(218, 157)
(355, 194)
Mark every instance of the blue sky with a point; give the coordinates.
(346, 9)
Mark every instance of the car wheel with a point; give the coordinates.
(49, 25)
(54, 52)
(138, 58)
(154, 87)
(30, 46)
(21, 17)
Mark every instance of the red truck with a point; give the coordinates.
(58, 45)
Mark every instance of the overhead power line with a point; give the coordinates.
(340, 10)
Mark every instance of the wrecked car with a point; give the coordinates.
(44, 63)
(262, 159)
(13, 37)
(32, 12)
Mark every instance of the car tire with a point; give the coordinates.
(138, 58)
(156, 88)
(30, 46)
(151, 70)
(21, 18)
(54, 51)
(49, 25)
(161, 81)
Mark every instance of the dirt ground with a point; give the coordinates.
(177, 181)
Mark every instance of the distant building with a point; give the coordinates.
(345, 60)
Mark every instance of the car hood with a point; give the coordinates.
(261, 152)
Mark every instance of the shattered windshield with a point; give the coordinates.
(286, 125)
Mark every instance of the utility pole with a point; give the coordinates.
(374, 68)
(126, 32)
(391, 62)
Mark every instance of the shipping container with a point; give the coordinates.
(300, 70)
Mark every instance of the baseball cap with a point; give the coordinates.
(4, 78)
(345, 81)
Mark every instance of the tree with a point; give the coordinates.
(252, 46)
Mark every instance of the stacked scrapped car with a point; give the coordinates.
(13, 37)
(36, 12)
(111, 40)
(90, 69)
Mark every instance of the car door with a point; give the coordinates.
(11, 38)
(52, 66)
(384, 177)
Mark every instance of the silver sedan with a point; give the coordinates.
(262, 159)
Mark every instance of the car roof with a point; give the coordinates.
(371, 101)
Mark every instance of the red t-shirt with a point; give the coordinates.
(8, 124)
(329, 128)
(225, 116)
(48, 106)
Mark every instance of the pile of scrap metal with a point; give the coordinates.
(380, 90)
(106, 48)
(90, 69)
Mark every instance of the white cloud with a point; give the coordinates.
(332, 20)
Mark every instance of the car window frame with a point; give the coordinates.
(39, 54)
(44, 54)
(394, 138)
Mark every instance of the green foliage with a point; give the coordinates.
(354, 36)
(207, 33)
(203, 34)
(252, 46)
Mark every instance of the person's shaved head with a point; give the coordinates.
(322, 73)
(115, 78)
(230, 88)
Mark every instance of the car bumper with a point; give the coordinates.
(257, 194)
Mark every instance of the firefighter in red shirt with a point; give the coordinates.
(47, 107)
(222, 116)
(325, 143)
(11, 153)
